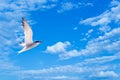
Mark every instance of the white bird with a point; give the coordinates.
(28, 37)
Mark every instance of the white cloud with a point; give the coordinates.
(11, 13)
(85, 70)
(69, 6)
(102, 19)
(60, 77)
(59, 72)
(68, 54)
(58, 47)
(28, 5)
(58, 69)
(107, 74)
(93, 67)
(109, 42)
(66, 6)
(88, 33)
(24, 5)
(75, 28)
(111, 34)
(103, 59)
(106, 17)
(50, 73)
(114, 3)
(105, 28)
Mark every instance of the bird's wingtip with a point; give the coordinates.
(23, 18)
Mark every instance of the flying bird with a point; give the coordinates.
(28, 41)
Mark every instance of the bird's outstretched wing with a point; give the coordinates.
(27, 32)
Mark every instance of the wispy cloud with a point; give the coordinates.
(109, 42)
(75, 28)
(103, 21)
(10, 26)
(88, 33)
(106, 17)
(70, 5)
(105, 29)
(11, 13)
(85, 70)
(105, 74)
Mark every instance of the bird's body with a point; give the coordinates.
(29, 44)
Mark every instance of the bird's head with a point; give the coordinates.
(38, 42)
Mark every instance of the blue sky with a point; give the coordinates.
(81, 40)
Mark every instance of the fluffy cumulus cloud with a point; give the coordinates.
(58, 47)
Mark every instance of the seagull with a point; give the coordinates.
(29, 44)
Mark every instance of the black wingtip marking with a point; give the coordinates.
(23, 18)
(23, 21)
